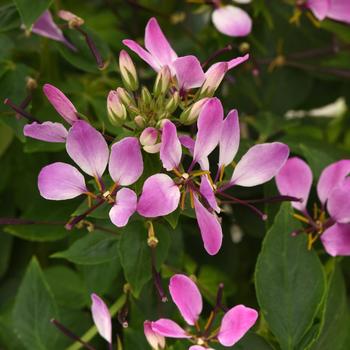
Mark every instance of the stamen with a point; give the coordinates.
(20, 110)
(123, 314)
(157, 280)
(183, 198)
(192, 199)
(301, 218)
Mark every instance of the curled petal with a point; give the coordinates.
(332, 176)
(157, 44)
(209, 129)
(189, 72)
(168, 328)
(47, 131)
(88, 148)
(101, 317)
(125, 162)
(160, 196)
(236, 323)
(229, 140)
(170, 149)
(207, 191)
(319, 8)
(125, 206)
(260, 164)
(156, 341)
(338, 204)
(237, 61)
(46, 27)
(210, 228)
(59, 181)
(232, 21)
(339, 10)
(336, 240)
(295, 179)
(214, 76)
(187, 297)
(61, 103)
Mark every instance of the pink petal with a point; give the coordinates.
(160, 196)
(47, 131)
(236, 323)
(101, 317)
(187, 297)
(189, 72)
(210, 228)
(143, 54)
(338, 204)
(170, 149)
(169, 328)
(59, 181)
(125, 162)
(207, 191)
(295, 179)
(336, 240)
(214, 76)
(229, 140)
(88, 148)
(232, 21)
(46, 27)
(157, 44)
(209, 129)
(198, 347)
(237, 61)
(331, 177)
(189, 143)
(61, 103)
(149, 136)
(125, 206)
(319, 8)
(155, 340)
(339, 10)
(260, 164)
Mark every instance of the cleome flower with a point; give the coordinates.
(338, 10)
(333, 189)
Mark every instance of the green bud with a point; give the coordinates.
(190, 114)
(128, 71)
(173, 102)
(125, 97)
(162, 82)
(116, 110)
(146, 96)
(139, 121)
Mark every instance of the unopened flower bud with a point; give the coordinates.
(173, 102)
(128, 71)
(116, 110)
(125, 97)
(146, 96)
(190, 115)
(149, 136)
(72, 19)
(213, 78)
(139, 121)
(162, 82)
(244, 47)
(156, 341)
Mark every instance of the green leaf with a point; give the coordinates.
(94, 248)
(30, 13)
(290, 282)
(135, 254)
(34, 308)
(9, 18)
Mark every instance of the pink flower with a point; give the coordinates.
(234, 325)
(155, 340)
(338, 10)
(101, 317)
(333, 190)
(187, 69)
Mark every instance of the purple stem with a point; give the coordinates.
(216, 54)
(19, 110)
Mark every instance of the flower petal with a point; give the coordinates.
(319, 8)
(88, 148)
(232, 21)
(339, 10)
(209, 128)
(46, 27)
(198, 347)
(125, 206)
(260, 164)
(207, 191)
(213, 77)
(229, 140)
(336, 240)
(160, 196)
(170, 149)
(209, 226)
(236, 323)
(47, 131)
(331, 177)
(157, 44)
(189, 143)
(143, 54)
(237, 61)
(125, 162)
(101, 317)
(295, 179)
(59, 181)
(168, 328)
(155, 340)
(61, 103)
(338, 203)
(189, 72)
(187, 297)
